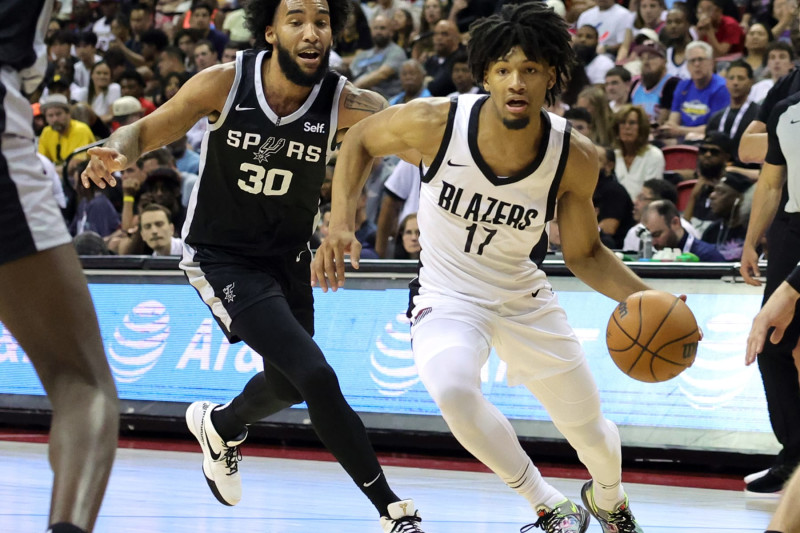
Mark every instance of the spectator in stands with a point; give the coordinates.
(231, 47)
(154, 42)
(595, 101)
(722, 32)
(126, 110)
(187, 161)
(730, 200)
(171, 61)
(461, 75)
(385, 8)
(169, 86)
(784, 16)
(780, 61)
(734, 119)
(204, 55)
(62, 134)
(186, 39)
(412, 78)
(756, 41)
(86, 50)
(83, 113)
(698, 98)
(676, 37)
(94, 212)
(366, 229)
(422, 41)
(636, 159)
(618, 87)
(663, 221)
(595, 65)
(378, 68)
(446, 43)
(322, 226)
(581, 120)
(158, 232)
(90, 243)
(132, 84)
(403, 26)
(163, 158)
(652, 190)
(649, 17)
(400, 199)
(465, 12)
(102, 27)
(611, 21)
(713, 158)
(101, 92)
(356, 36)
(235, 27)
(407, 239)
(141, 20)
(121, 28)
(655, 88)
(611, 201)
(200, 21)
(60, 85)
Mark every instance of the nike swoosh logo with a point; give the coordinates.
(240, 108)
(214, 456)
(367, 485)
(451, 164)
(795, 121)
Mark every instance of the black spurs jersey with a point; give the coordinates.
(260, 174)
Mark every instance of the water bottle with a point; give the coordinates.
(646, 247)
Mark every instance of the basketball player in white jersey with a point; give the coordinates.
(44, 299)
(493, 170)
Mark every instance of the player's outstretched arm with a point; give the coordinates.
(204, 94)
(584, 254)
(415, 128)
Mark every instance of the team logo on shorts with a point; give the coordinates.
(139, 341)
(228, 290)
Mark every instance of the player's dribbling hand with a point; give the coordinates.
(103, 162)
(777, 313)
(327, 269)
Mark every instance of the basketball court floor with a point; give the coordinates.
(158, 491)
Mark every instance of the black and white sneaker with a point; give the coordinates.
(403, 518)
(220, 458)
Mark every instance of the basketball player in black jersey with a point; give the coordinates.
(44, 298)
(275, 116)
(505, 157)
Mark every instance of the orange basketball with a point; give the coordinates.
(652, 336)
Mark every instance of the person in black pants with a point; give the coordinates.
(778, 205)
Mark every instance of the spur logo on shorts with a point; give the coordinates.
(718, 376)
(139, 341)
(393, 369)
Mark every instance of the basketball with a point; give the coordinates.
(652, 336)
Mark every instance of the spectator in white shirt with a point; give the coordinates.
(595, 65)
(637, 159)
(611, 20)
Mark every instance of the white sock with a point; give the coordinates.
(607, 497)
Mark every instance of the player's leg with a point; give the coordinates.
(46, 305)
(787, 515)
(449, 355)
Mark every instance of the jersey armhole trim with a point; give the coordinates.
(334, 121)
(426, 177)
(552, 196)
(231, 94)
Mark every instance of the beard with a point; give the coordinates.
(295, 74)
(58, 127)
(585, 53)
(516, 123)
(711, 170)
(650, 79)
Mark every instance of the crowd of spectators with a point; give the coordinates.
(651, 74)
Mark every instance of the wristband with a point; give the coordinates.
(128, 198)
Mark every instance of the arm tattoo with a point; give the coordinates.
(365, 101)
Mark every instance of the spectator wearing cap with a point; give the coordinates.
(697, 98)
(734, 119)
(636, 160)
(655, 88)
(158, 232)
(730, 202)
(712, 159)
(131, 83)
(62, 135)
(86, 50)
(126, 110)
(662, 220)
(652, 190)
(585, 46)
(720, 31)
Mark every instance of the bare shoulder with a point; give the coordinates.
(209, 88)
(357, 104)
(582, 168)
(425, 112)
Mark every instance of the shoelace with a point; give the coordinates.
(232, 458)
(548, 522)
(623, 519)
(407, 524)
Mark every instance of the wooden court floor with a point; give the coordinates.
(164, 492)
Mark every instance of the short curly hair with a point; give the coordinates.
(535, 28)
(260, 13)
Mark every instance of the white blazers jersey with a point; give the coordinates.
(481, 234)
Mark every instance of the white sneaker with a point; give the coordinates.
(220, 458)
(403, 518)
(749, 478)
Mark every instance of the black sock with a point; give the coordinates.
(64, 527)
(228, 425)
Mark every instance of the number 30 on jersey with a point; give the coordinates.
(274, 182)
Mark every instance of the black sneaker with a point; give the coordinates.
(770, 483)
